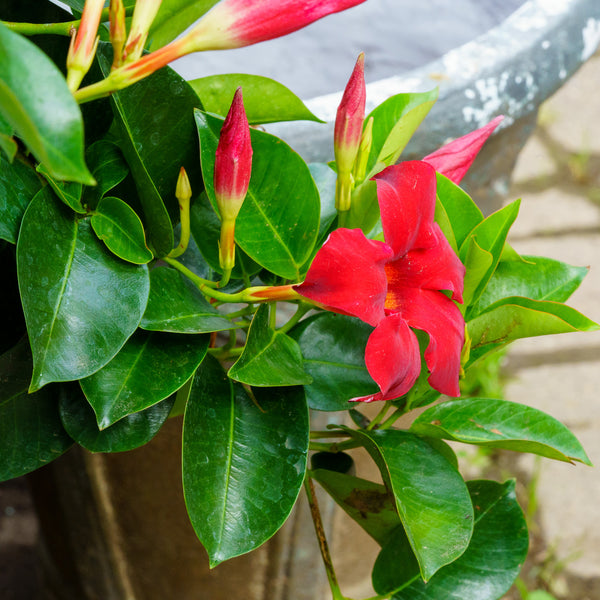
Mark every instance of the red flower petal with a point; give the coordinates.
(392, 358)
(436, 314)
(454, 159)
(435, 268)
(347, 275)
(406, 194)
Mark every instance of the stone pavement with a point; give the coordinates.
(558, 179)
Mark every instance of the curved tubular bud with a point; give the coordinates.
(143, 17)
(84, 43)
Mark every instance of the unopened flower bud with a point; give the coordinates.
(118, 30)
(348, 131)
(183, 193)
(143, 17)
(83, 44)
(233, 168)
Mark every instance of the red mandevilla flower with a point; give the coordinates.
(397, 285)
(454, 159)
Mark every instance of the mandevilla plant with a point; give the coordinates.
(155, 242)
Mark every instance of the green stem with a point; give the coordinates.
(334, 446)
(62, 28)
(323, 546)
(378, 418)
(315, 435)
(300, 312)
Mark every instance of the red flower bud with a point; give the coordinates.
(348, 132)
(233, 161)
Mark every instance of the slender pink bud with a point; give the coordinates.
(83, 43)
(233, 167)
(233, 161)
(236, 23)
(348, 131)
(454, 159)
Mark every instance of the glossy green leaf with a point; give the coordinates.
(80, 302)
(176, 306)
(37, 104)
(174, 17)
(70, 193)
(31, 434)
(462, 213)
(534, 277)
(265, 100)
(206, 230)
(394, 122)
(485, 571)
(333, 348)
(149, 368)
(370, 504)
(478, 263)
(431, 496)
(156, 143)
(7, 142)
(243, 461)
(490, 236)
(270, 358)
(108, 167)
(117, 225)
(516, 317)
(500, 424)
(133, 431)
(279, 220)
(18, 185)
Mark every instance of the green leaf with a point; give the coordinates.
(176, 306)
(535, 277)
(431, 496)
(117, 225)
(37, 104)
(156, 142)
(516, 317)
(394, 122)
(7, 142)
(108, 168)
(243, 461)
(462, 213)
(69, 193)
(370, 504)
(265, 100)
(31, 434)
(80, 303)
(206, 230)
(269, 358)
(174, 17)
(490, 236)
(478, 263)
(500, 424)
(149, 368)
(133, 431)
(485, 571)
(278, 223)
(364, 210)
(333, 347)
(18, 185)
